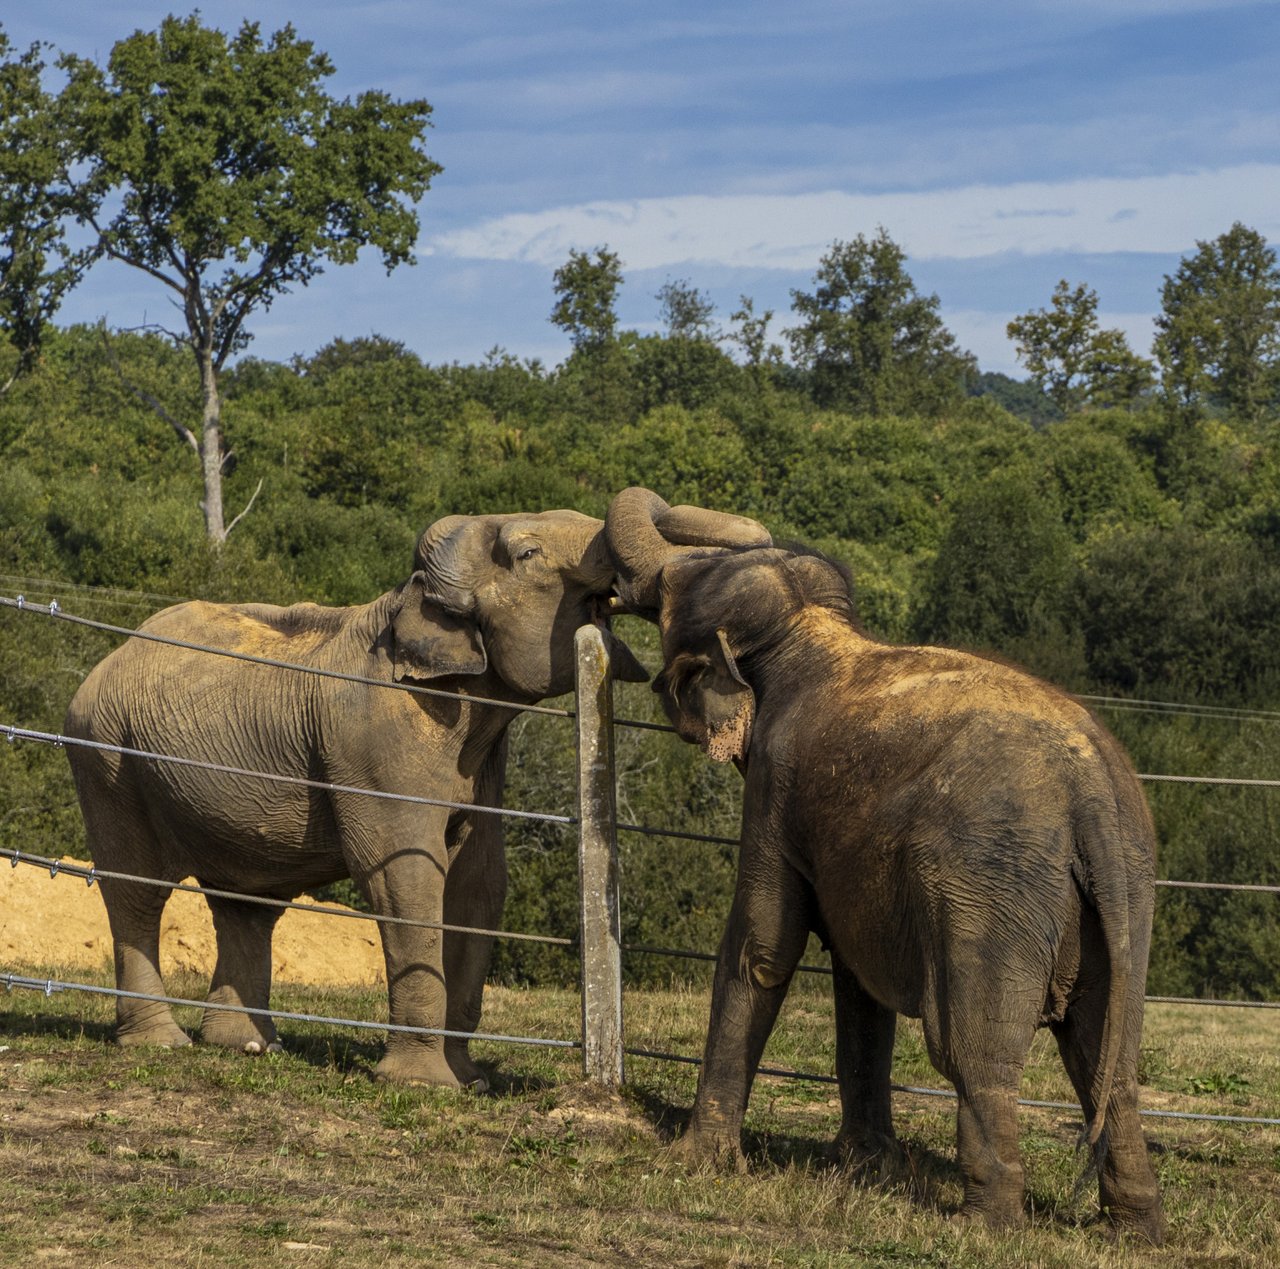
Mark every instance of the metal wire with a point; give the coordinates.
(50, 985)
(91, 874)
(784, 1073)
(1219, 885)
(52, 609)
(825, 970)
(59, 741)
(1226, 712)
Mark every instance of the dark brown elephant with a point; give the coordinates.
(970, 842)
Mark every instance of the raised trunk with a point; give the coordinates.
(643, 533)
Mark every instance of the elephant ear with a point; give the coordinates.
(428, 641)
(710, 702)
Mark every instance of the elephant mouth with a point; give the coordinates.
(625, 665)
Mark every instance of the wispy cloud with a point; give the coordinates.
(1156, 214)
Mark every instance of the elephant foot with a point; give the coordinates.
(872, 1156)
(416, 1066)
(161, 1032)
(1146, 1224)
(465, 1071)
(238, 1031)
(996, 1212)
(708, 1149)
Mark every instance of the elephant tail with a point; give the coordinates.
(1101, 871)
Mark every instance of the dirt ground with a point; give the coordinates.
(60, 921)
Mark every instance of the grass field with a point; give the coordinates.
(203, 1157)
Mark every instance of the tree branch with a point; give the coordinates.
(247, 505)
(184, 432)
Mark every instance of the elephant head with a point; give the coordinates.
(717, 607)
(505, 593)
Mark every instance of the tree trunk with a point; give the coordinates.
(211, 451)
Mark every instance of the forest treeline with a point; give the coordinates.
(1129, 552)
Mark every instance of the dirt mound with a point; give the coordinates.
(61, 922)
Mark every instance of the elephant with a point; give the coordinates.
(488, 615)
(970, 843)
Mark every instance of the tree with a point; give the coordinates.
(36, 265)
(751, 334)
(1001, 576)
(685, 311)
(1218, 333)
(599, 370)
(871, 343)
(1073, 360)
(587, 290)
(220, 168)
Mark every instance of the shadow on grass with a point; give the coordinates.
(17, 1023)
(926, 1177)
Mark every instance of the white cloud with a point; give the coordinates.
(1163, 214)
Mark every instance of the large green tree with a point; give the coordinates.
(586, 289)
(219, 167)
(1218, 333)
(599, 370)
(870, 342)
(1072, 359)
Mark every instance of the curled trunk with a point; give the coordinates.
(644, 533)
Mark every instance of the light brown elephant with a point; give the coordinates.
(489, 611)
(970, 842)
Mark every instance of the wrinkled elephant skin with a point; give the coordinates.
(970, 842)
(489, 611)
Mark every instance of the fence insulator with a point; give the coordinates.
(598, 865)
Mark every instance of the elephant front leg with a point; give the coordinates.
(864, 1061)
(410, 886)
(241, 977)
(761, 947)
(474, 894)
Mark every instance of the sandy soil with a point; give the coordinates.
(61, 922)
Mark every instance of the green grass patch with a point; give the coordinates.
(202, 1155)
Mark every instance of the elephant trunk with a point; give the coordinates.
(442, 554)
(643, 534)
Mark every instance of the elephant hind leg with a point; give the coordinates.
(121, 839)
(978, 1036)
(242, 976)
(1128, 1192)
(864, 1058)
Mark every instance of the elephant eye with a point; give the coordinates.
(528, 552)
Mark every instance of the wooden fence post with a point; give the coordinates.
(598, 864)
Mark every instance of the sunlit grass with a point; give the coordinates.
(205, 1155)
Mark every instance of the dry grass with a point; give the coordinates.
(134, 1157)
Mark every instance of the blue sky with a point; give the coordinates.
(1004, 145)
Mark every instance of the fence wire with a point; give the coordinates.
(91, 874)
(50, 985)
(12, 733)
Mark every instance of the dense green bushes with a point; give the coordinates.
(1120, 552)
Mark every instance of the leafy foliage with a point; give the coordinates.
(216, 166)
(871, 343)
(1218, 335)
(1071, 359)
